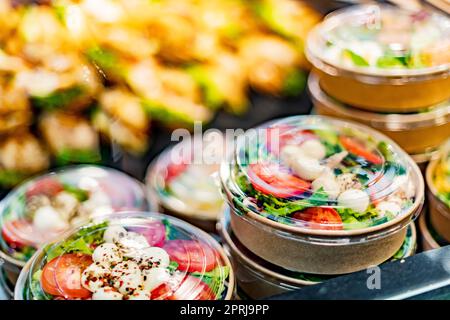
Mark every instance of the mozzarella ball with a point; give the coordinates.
(328, 182)
(47, 219)
(114, 234)
(385, 207)
(66, 203)
(347, 181)
(107, 254)
(291, 150)
(405, 185)
(107, 293)
(155, 277)
(354, 199)
(132, 244)
(153, 257)
(93, 277)
(127, 277)
(313, 148)
(140, 295)
(305, 167)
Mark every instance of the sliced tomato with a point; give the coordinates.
(191, 255)
(154, 232)
(321, 218)
(18, 233)
(162, 292)
(272, 178)
(174, 170)
(279, 136)
(47, 186)
(354, 146)
(62, 276)
(192, 288)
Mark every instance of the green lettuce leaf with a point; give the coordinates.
(215, 279)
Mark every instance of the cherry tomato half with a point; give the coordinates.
(18, 233)
(191, 256)
(279, 136)
(45, 186)
(321, 218)
(357, 148)
(62, 276)
(271, 178)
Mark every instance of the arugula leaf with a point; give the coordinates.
(390, 62)
(330, 140)
(215, 279)
(82, 242)
(173, 265)
(80, 194)
(356, 58)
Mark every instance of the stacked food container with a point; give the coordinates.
(312, 197)
(387, 68)
(435, 227)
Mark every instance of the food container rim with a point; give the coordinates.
(365, 74)
(191, 229)
(435, 116)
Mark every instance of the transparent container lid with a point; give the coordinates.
(319, 173)
(184, 176)
(47, 205)
(382, 40)
(132, 256)
(441, 174)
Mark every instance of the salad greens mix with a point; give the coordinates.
(137, 257)
(387, 37)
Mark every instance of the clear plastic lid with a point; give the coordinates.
(256, 264)
(45, 206)
(183, 176)
(132, 256)
(319, 173)
(382, 40)
(440, 174)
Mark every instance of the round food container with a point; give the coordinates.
(438, 182)
(6, 286)
(427, 239)
(383, 58)
(132, 256)
(45, 206)
(417, 133)
(257, 278)
(318, 195)
(183, 180)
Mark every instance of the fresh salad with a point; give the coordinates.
(385, 37)
(44, 207)
(186, 183)
(321, 173)
(135, 257)
(442, 175)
